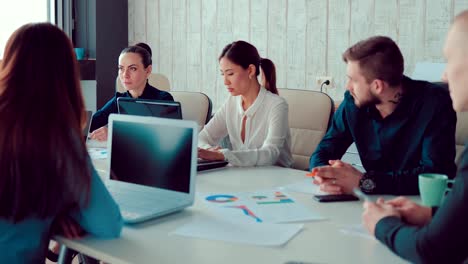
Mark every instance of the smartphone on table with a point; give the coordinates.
(328, 198)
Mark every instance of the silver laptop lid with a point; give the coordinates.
(155, 152)
(89, 117)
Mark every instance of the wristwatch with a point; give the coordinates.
(367, 182)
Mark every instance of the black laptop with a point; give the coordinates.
(203, 165)
(145, 107)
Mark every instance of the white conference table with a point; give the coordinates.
(318, 242)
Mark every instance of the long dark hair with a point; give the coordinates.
(244, 54)
(44, 165)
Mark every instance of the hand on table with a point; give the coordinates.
(411, 212)
(99, 134)
(210, 153)
(337, 178)
(374, 212)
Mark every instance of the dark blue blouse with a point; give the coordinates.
(101, 117)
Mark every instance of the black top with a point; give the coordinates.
(444, 239)
(101, 117)
(419, 136)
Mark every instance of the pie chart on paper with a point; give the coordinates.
(222, 198)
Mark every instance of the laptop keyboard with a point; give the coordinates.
(135, 203)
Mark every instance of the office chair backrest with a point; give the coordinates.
(310, 113)
(196, 106)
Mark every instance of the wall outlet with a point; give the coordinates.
(321, 79)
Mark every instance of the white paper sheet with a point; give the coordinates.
(92, 143)
(261, 234)
(304, 186)
(266, 206)
(97, 153)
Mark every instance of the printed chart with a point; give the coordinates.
(269, 206)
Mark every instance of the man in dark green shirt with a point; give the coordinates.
(401, 127)
(432, 235)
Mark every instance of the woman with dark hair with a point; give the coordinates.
(254, 117)
(45, 171)
(135, 66)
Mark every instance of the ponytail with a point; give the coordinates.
(269, 71)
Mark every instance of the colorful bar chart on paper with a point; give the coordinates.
(277, 198)
(262, 206)
(247, 212)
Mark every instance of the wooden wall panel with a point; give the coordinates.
(438, 18)
(458, 6)
(316, 42)
(209, 53)
(131, 23)
(166, 55)
(411, 32)
(179, 42)
(277, 45)
(241, 16)
(386, 18)
(139, 20)
(296, 44)
(304, 38)
(259, 25)
(194, 46)
(361, 15)
(224, 36)
(338, 42)
(152, 31)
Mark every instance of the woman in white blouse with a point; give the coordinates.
(254, 117)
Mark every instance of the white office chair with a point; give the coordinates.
(196, 106)
(310, 113)
(157, 80)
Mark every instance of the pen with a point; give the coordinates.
(361, 195)
(311, 174)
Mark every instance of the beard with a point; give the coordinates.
(370, 100)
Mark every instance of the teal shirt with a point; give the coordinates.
(27, 241)
(417, 137)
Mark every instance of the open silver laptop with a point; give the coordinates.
(89, 117)
(152, 165)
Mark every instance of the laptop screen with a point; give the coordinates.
(155, 108)
(151, 154)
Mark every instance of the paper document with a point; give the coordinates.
(267, 206)
(92, 143)
(97, 153)
(262, 234)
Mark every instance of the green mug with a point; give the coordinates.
(432, 187)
